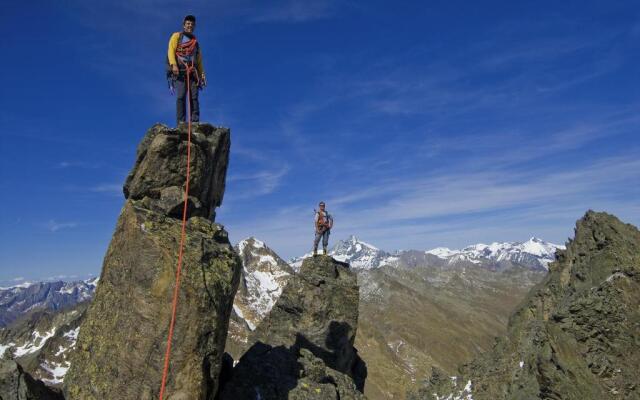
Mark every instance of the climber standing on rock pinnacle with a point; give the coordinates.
(184, 59)
(323, 223)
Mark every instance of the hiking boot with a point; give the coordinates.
(315, 252)
(324, 251)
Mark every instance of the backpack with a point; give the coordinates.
(320, 225)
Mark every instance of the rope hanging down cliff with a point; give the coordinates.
(174, 305)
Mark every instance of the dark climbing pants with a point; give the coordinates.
(325, 239)
(181, 96)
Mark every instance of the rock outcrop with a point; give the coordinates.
(576, 336)
(122, 341)
(158, 177)
(304, 348)
(15, 384)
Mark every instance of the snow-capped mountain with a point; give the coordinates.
(359, 254)
(264, 275)
(534, 253)
(24, 298)
(39, 324)
(41, 341)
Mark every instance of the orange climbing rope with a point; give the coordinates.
(174, 306)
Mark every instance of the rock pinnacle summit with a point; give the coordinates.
(122, 341)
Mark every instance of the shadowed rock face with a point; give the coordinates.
(122, 341)
(15, 384)
(577, 335)
(158, 177)
(304, 348)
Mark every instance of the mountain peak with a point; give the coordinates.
(353, 240)
(250, 241)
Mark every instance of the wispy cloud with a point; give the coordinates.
(455, 209)
(114, 189)
(78, 164)
(54, 226)
(256, 184)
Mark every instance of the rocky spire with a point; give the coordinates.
(304, 348)
(121, 345)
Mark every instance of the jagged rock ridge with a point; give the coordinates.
(121, 344)
(577, 335)
(304, 348)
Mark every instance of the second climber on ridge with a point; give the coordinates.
(323, 223)
(184, 59)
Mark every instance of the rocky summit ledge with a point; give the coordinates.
(158, 177)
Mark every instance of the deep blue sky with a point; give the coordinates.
(421, 124)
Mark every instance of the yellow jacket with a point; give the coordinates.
(171, 53)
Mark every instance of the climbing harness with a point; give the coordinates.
(186, 53)
(174, 305)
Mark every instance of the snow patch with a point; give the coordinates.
(36, 344)
(268, 259)
(240, 314)
(72, 334)
(57, 370)
(464, 394)
(4, 347)
(443, 252)
(68, 288)
(23, 285)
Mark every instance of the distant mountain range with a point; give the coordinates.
(27, 297)
(534, 253)
(418, 309)
(39, 322)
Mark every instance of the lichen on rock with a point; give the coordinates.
(122, 341)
